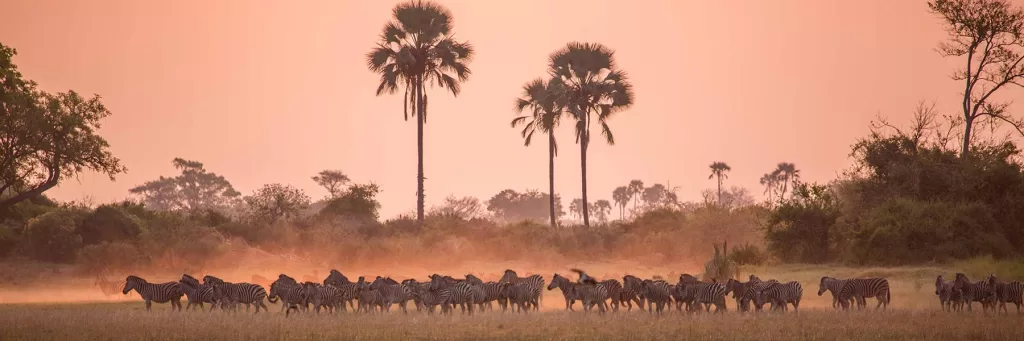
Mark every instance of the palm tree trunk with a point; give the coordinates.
(719, 189)
(584, 140)
(551, 177)
(419, 150)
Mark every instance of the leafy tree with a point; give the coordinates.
(110, 223)
(576, 208)
(785, 173)
(46, 138)
(636, 190)
(461, 208)
(274, 202)
(358, 203)
(544, 99)
(621, 197)
(594, 85)
(194, 189)
(719, 170)
(988, 34)
(333, 181)
(511, 206)
(799, 229)
(417, 49)
(52, 235)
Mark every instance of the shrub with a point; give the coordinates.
(114, 256)
(748, 254)
(109, 223)
(52, 236)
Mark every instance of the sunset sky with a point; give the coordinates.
(274, 91)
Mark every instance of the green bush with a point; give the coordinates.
(109, 223)
(748, 254)
(52, 236)
(113, 256)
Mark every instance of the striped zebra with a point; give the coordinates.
(429, 299)
(369, 299)
(461, 291)
(472, 279)
(591, 295)
(780, 295)
(336, 278)
(154, 292)
(392, 293)
(833, 286)
(245, 293)
(973, 292)
(1006, 292)
(614, 292)
(860, 289)
(494, 292)
(949, 299)
(566, 287)
(749, 296)
(658, 294)
(519, 296)
(535, 283)
(211, 280)
(196, 293)
(710, 294)
(631, 286)
(737, 288)
(322, 296)
(292, 296)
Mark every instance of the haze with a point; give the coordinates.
(268, 91)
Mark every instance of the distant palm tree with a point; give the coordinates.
(544, 99)
(719, 170)
(576, 207)
(636, 190)
(603, 208)
(594, 86)
(621, 197)
(417, 48)
(785, 173)
(770, 182)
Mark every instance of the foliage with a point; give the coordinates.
(109, 223)
(464, 208)
(511, 206)
(46, 138)
(333, 181)
(274, 202)
(799, 229)
(193, 189)
(110, 256)
(359, 203)
(720, 267)
(748, 254)
(52, 236)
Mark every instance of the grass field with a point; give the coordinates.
(914, 315)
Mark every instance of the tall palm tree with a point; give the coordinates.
(636, 190)
(594, 86)
(545, 102)
(418, 48)
(621, 197)
(770, 182)
(785, 173)
(719, 170)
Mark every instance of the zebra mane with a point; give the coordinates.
(134, 278)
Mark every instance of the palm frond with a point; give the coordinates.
(607, 133)
(379, 57)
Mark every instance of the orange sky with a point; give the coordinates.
(264, 91)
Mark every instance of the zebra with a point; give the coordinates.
(461, 291)
(154, 292)
(1006, 292)
(392, 293)
(949, 299)
(737, 288)
(658, 293)
(591, 295)
(859, 289)
(246, 293)
(211, 280)
(473, 280)
(750, 294)
(292, 296)
(337, 279)
(566, 286)
(368, 298)
(519, 296)
(973, 292)
(832, 285)
(631, 292)
(196, 293)
(432, 298)
(323, 296)
(535, 283)
(710, 294)
(780, 295)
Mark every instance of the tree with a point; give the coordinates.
(194, 189)
(988, 34)
(46, 138)
(719, 170)
(544, 99)
(784, 173)
(418, 48)
(576, 208)
(594, 85)
(274, 202)
(636, 189)
(358, 203)
(601, 209)
(654, 196)
(770, 182)
(799, 229)
(621, 197)
(511, 206)
(461, 208)
(333, 181)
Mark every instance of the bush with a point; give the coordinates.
(109, 223)
(748, 254)
(9, 239)
(112, 256)
(52, 236)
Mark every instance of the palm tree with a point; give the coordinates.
(770, 181)
(602, 207)
(544, 99)
(786, 172)
(576, 207)
(418, 48)
(636, 190)
(719, 170)
(621, 197)
(594, 86)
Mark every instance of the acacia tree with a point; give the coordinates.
(989, 35)
(544, 99)
(719, 170)
(417, 49)
(333, 181)
(594, 85)
(194, 189)
(274, 202)
(46, 138)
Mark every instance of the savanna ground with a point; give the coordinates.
(914, 315)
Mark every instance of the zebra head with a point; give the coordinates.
(688, 279)
(211, 280)
(473, 280)
(961, 282)
(822, 286)
(557, 282)
(940, 284)
(509, 276)
(755, 279)
(335, 278)
(132, 282)
(189, 281)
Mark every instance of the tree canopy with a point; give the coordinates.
(194, 189)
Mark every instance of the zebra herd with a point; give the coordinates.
(953, 295)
